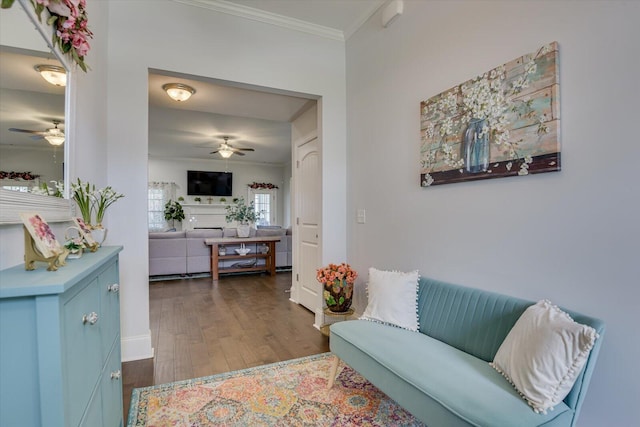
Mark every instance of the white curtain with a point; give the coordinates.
(159, 194)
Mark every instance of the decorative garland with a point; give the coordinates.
(263, 185)
(69, 20)
(25, 176)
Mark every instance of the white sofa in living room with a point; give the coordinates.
(184, 252)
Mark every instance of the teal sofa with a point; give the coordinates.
(441, 374)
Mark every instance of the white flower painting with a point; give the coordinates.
(508, 117)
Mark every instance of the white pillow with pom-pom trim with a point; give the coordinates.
(393, 298)
(543, 354)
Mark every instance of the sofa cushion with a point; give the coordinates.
(167, 235)
(270, 232)
(204, 233)
(463, 384)
(392, 298)
(544, 353)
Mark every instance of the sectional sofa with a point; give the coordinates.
(184, 252)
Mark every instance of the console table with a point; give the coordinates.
(60, 343)
(269, 257)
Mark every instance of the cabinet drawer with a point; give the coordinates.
(111, 389)
(108, 282)
(81, 349)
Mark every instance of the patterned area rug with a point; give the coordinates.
(291, 393)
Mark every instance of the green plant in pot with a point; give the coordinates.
(92, 201)
(243, 214)
(173, 212)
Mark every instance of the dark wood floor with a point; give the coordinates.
(200, 327)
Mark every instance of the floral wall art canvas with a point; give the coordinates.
(43, 237)
(505, 122)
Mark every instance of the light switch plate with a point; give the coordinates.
(361, 216)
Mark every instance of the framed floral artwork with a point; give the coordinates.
(85, 232)
(505, 122)
(43, 237)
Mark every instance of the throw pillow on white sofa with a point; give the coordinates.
(543, 354)
(393, 298)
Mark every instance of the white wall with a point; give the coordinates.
(176, 37)
(571, 236)
(163, 170)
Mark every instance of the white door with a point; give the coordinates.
(308, 202)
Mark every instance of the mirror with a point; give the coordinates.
(31, 107)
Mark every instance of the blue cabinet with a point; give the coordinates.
(60, 344)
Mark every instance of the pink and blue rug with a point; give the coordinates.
(291, 393)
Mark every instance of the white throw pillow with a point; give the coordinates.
(393, 298)
(543, 354)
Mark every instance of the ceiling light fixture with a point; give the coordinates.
(53, 74)
(55, 139)
(54, 135)
(178, 91)
(225, 152)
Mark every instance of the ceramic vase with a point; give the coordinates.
(338, 296)
(99, 235)
(244, 230)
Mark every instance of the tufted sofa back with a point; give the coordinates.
(477, 321)
(471, 320)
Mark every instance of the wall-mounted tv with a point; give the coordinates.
(203, 183)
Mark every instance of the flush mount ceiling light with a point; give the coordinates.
(178, 91)
(53, 74)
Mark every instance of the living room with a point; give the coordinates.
(570, 236)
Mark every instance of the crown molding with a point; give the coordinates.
(355, 26)
(267, 17)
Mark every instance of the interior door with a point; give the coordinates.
(308, 203)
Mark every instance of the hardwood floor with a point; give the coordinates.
(201, 327)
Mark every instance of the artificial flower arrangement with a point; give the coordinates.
(338, 280)
(56, 189)
(90, 200)
(263, 185)
(25, 176)
(69, 20)
(75, 244)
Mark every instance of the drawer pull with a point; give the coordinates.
(115, 375)
(91, 318)
(113, 288)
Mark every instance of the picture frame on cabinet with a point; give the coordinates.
(43, 237)
(85, 232)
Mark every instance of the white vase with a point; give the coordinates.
(99, 235)
(243, 230)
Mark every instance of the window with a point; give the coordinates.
(265, 203)
(159, 194)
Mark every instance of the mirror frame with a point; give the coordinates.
(54, 209)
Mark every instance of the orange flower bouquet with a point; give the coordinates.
(338, 280)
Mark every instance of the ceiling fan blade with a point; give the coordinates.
(37, 132)
(213, 152)
(238, 153)
(245, 149)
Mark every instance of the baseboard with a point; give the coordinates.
(136, 348)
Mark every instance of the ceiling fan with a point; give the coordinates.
(226, 150)
(53, 135)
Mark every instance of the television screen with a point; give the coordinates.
(202, 183)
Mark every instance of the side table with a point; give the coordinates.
(325, 328)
